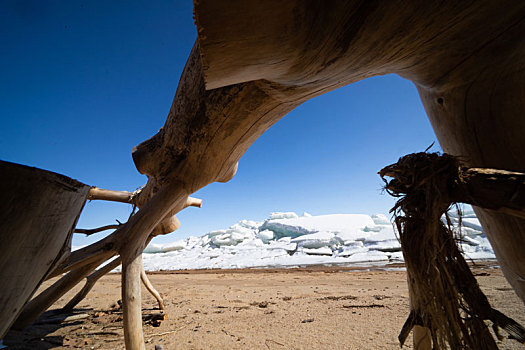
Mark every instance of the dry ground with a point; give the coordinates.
(308, 308)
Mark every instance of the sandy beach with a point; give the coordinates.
(304, 308)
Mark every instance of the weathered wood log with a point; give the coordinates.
(466, 59)
(258, 60)
(493, 189)
(498, 190)
(38, 212)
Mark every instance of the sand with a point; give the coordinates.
(308, 308)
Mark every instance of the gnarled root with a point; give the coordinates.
(445, 296)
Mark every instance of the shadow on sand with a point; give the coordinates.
(38, 336)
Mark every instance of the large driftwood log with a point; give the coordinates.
(466, 59)
(257, 60)
(38, 212)
(40, 303)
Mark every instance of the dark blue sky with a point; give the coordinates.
(82, 82)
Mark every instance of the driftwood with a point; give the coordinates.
(44, 300)
(38, 212)
(91, 280)
(255, 61)
(89, 232)
(87, 267)
(444, 295)
(149, 286)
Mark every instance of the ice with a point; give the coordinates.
(286, 240)
(287, 215)
(265, 235)
(380, 219)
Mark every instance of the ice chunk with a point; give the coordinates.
(391, 245)
(351, 250)
(318, 251)
(265, 235)
(337, 223)
(153, 248)
(472, 223)
(368, 256)
(469, 240)
(381, 219)
(316, 240)
(283, 215)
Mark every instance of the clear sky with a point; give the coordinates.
(82, 82)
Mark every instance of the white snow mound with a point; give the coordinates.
(287, 240)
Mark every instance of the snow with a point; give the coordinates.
(288, 240)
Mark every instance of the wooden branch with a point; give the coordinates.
(151, 288)
(84, 256)
(498, 190)
(168, 225)
(110, 243)
(194, 202)
(131, 240)
(90, 283)
(131, 303)
(95, 276)
(96, 193)
(89, 232)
